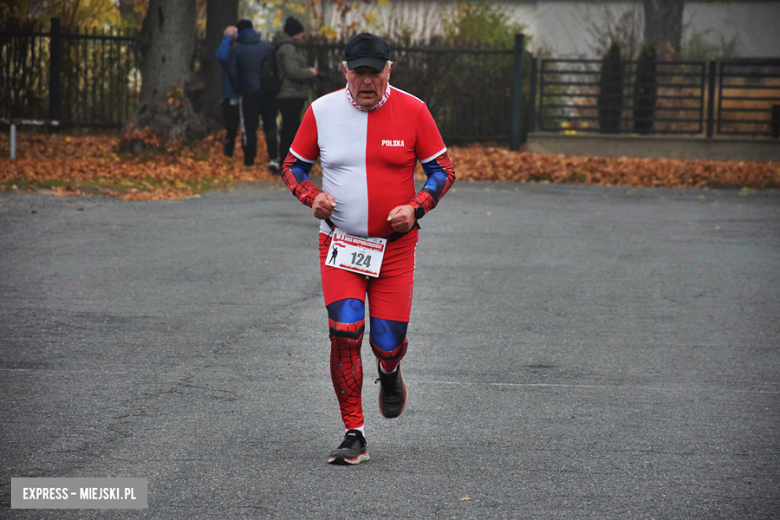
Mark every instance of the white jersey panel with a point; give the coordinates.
(342, 136)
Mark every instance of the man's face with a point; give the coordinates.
(368, 85)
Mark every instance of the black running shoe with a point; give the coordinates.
(392, 392)
(352, 450)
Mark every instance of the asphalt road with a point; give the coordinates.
(575, 352)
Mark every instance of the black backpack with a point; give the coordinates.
(270, 79)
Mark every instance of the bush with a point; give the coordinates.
(481, 24)
(610, 100)
(645, 91)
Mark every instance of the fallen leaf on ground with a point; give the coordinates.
(80, 165)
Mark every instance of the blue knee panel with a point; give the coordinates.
(387, 335)
(350, 310)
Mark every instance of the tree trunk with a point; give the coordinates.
(219, 15)
(663, 25)
(167, 56)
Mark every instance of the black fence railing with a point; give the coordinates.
(92, 80)
(80, 79)
(570, 97)
(24, 78)
(749, 97)
(694, 98)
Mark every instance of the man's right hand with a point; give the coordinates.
(323, 206)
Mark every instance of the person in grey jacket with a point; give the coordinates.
(244, 61)
(296, 80)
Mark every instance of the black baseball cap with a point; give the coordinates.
(366, 50)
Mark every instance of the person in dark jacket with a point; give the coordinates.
(296, 80)
(245, 59)
(230, 99)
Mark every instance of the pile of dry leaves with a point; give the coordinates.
(494, 163)
(84, 165)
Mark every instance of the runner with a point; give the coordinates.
(368, 138)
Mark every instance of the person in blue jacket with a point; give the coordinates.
(230, 99)
(244, 63)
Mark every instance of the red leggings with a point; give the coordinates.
(389, 298)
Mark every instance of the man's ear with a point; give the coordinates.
(389, 67)
(344, 68)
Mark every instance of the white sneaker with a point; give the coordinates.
(273, 165)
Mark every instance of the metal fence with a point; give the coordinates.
(695, 98)
(748, 97)
(80, 79)
(92, 80)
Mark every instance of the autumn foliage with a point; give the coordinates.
(87, 165)
(495, 163)
(83, 165)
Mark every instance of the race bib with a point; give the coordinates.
(356, 253)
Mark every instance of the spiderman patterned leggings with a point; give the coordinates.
(390, 303)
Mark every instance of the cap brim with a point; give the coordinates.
(374, 63)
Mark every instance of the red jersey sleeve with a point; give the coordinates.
(429, 141)
(305, 145)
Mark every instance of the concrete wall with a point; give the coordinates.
(670, 147)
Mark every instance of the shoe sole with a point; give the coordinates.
(343, 460)
(406, 394)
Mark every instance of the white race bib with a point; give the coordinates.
(356, 253)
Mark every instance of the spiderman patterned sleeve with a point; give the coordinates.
(296, 167)
(441, 176)
(436, 165)
(295, 173)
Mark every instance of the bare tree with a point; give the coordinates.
(663, 25)
(622, 26)
(167, 62)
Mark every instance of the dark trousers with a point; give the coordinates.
(253, 107)
(291, 120)
(231, 112)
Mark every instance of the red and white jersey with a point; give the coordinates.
(368, 157)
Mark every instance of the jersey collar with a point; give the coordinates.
(376, 107)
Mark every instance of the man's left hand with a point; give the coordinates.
(402, 218)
